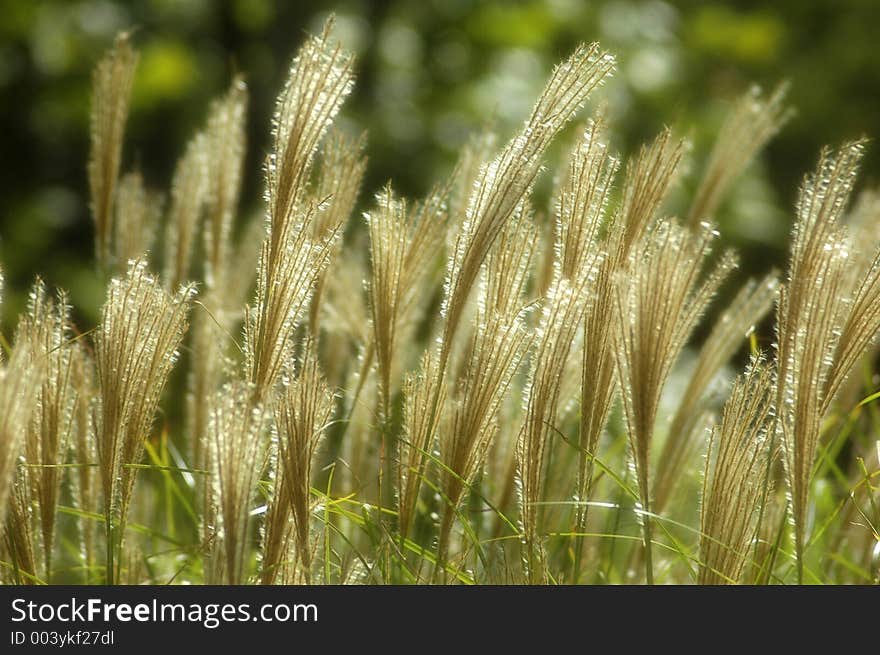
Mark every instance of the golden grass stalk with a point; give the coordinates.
(277, 563)
(47, 325)
(283, 293)
(560, 321)
(302, 414)
(862, 321)
(189, 191)
(417, 441)
(19, 383)
(238, 454)
(581, 211)
(508, 267)
(341, 172)
(649, 176)
(427, 225)
(140, 330)
(493, 355)
(583, 200)
(863, 227)
(84, 481)
(388, 242)
(111, 91)
(748, 307)
(137, 212)
(660, 298)
(226, 283)
(224, 151)
(734, 477)
(753, 121)
(505, 181)
(407, 242)
(827, 317)
(320, 78)
(20, 536)
(342, 167)
(290, 262)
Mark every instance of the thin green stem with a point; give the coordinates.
(647, 530)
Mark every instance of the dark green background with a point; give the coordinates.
(429, 73)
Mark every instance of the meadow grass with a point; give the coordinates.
(482, 386)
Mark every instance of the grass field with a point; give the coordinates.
(545, 371)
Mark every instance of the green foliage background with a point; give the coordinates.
(430, 72)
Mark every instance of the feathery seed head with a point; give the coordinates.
(753, 121)
(388, 241)
(111, 91)
(750, 304)
(505, 181)
(493, 355)
(419, 432)
(557, 329)
(238, 453)
(19, 383)
(733, 477)
(224, 150)
(648, 179)
(189, 190)
(291, 263)
(137, 212)
(320, 78)
(46, 325)
(660, 297)
(302, 414)
(136, 345)
(583, 199)
(826, 317)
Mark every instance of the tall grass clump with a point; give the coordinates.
(827, 316)
(661, 296)
(519, 377)
(739, 449)
(136, 346)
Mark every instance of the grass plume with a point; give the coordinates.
(660, 298)
(754, 299)
(136, 345)
(508, 178)
(492, 356)
(136, 221)
(752, 122)
(302, 416)
(290, 262)
(827, 316)
(648, 178)
(47, 324)
(238, 454)
(111, 91)
(733, 480)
